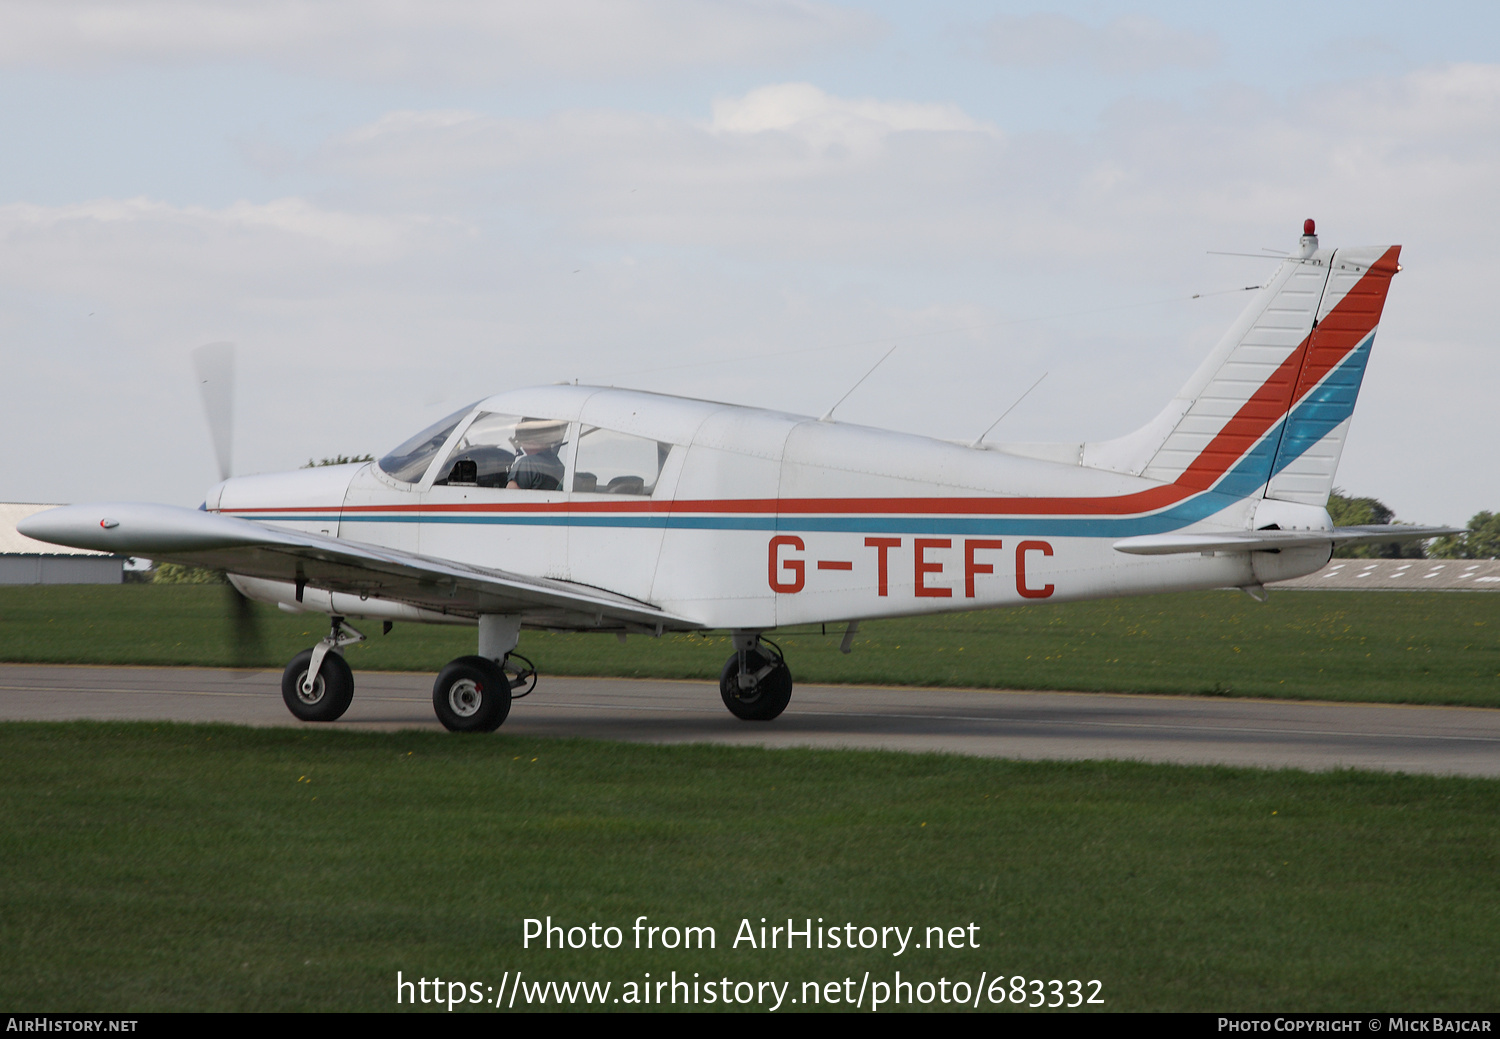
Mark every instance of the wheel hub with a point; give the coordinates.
(465, 697)
(312, 696)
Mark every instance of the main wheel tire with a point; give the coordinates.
(770, 695)
(471, 694)
(333, 689)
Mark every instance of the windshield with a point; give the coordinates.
(409, 461)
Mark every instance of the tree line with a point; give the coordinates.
(1481, 540)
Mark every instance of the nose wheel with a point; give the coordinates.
(318, 686)
(326, 697)
(756, 684)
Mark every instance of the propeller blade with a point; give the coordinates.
(213, 363)
(244, 635)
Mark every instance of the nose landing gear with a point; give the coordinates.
(318, 686)
(756, 684)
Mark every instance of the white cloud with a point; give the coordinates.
(144, 250)
(778, 170)
(448, 40)
(792, 171)
(1128, 45)
(824, 120)
(1420, 150)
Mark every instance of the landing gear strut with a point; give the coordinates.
(317, 685)
(756, 684)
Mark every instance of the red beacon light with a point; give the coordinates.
(1309, 241)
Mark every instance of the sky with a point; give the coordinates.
(397, 207)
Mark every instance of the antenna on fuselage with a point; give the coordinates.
(828, 415)
(980, 439)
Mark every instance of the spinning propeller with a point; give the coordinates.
(213, 364)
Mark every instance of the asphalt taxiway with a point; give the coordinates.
(1035, 725)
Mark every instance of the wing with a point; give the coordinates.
(197, 538)
(1272, 540)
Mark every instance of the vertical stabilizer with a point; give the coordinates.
(1268, 410)
(1244, 388)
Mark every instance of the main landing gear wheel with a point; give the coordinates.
(766, 692)
(332, 691)
(471, 694)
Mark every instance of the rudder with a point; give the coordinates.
(1333, 368)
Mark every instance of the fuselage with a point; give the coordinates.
(744, 518)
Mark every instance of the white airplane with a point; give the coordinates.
(580, 508)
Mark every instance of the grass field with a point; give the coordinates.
(1372, 646)
(170, 867)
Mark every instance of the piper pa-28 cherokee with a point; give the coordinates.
(581, 508)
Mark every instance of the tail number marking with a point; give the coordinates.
(777, 565)
(1021, 586)
(923, 568)
(787, 574)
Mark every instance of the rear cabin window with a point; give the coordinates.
(617, 463)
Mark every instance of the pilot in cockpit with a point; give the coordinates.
(537, 466)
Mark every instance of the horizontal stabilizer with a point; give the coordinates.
(1273, 540)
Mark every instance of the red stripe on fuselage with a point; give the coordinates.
(1126, 504)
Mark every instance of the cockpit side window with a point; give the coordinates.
(617, 463)
(513, 451)
(408, 462)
